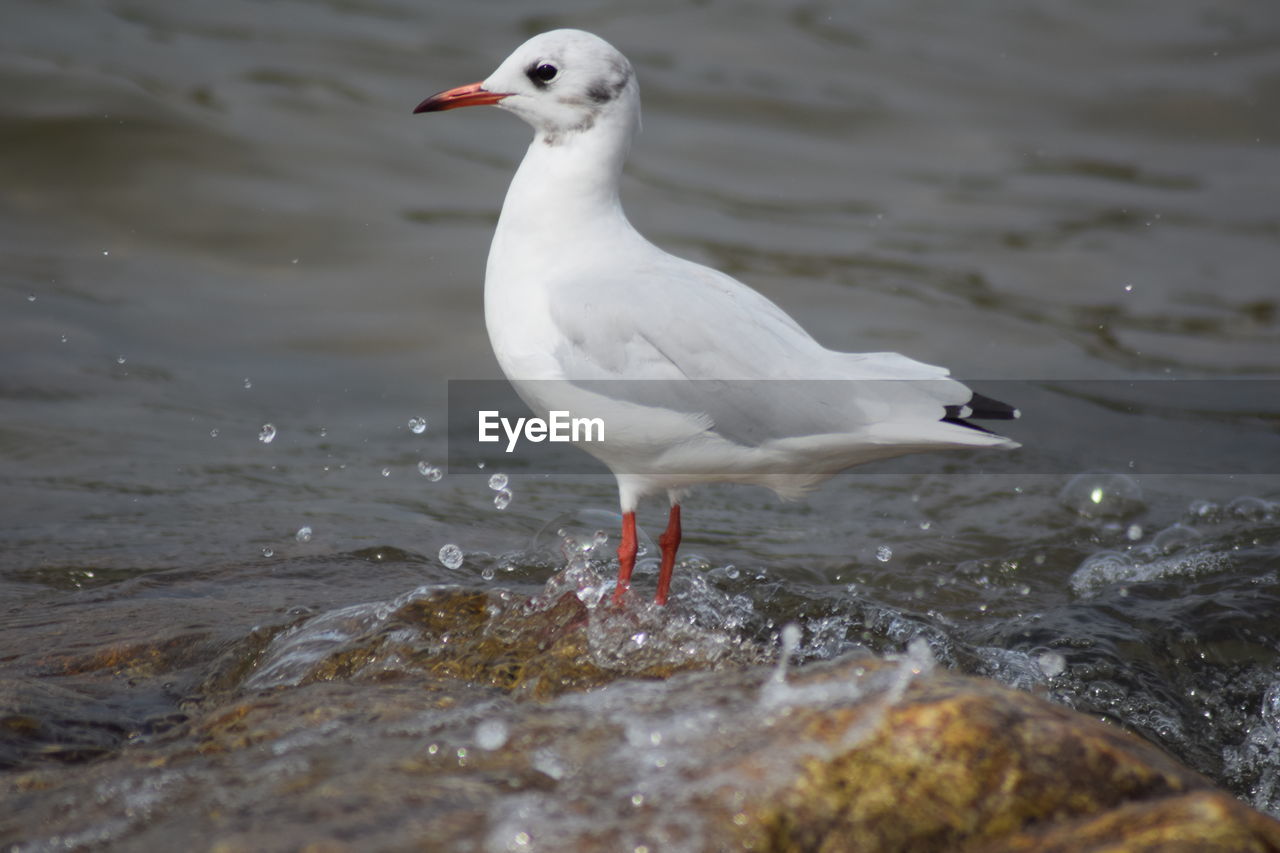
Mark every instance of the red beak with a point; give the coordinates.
(464, 96)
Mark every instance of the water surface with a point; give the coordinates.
(214, 218)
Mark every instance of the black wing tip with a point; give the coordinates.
(980, 407)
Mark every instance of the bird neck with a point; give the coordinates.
(567, 185)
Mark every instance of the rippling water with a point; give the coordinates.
(221, 217)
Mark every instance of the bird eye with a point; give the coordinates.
(545, 72)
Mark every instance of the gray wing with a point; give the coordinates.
(682, 337)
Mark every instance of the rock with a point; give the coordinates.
(460, 720)
(532, 647)
(1202, 820)
(962, 763)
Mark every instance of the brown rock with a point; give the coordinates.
(965, 764)
(466, 721)
(1203, 820)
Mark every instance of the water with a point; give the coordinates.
(234, 264)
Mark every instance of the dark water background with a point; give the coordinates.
(215, 217)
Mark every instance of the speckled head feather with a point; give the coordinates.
(564, 82)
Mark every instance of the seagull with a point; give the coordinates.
(579, 306)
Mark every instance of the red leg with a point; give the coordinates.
(669, 542)
(626, 556)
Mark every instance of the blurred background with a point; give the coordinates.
(234, 268)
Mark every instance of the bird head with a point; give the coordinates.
(562, 83)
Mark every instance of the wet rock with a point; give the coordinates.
(534, 648)
(961, 763)
(468, 721)
(1203, 820)
(41, 721)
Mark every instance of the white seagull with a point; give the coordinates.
(576, 301)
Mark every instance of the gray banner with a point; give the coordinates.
(1134, 426)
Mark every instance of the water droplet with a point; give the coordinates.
(267, 434)
(487, 573)
(480, 465)
(491, 734)
(925, 525)
(303, 534)
(498, 481)
(1203, 508)
(267, 551)
(790, 637)
(1249, 508)
(418, 425)
(1134, 532)
(121, 359)
(105, 253)
(31, 297)
(248, 383)
(1128, 288)
(1173, 538)
(324, 432)
(213, 433)
(451, 556)
(1051, 664)
(1102, 494)
(884, 553)
(64, 339)
(731, 572)
(431, 472)
(502, 499)
(386, 472)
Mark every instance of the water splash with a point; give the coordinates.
(1052, 664)
(491, 735)
(431, 472)
(1254, 763)
(1176, 551)
(451, 556)
(789, 637)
